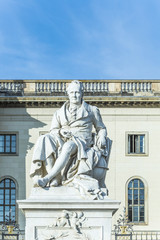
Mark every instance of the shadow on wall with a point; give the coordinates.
(16, 120)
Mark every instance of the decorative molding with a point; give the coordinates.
(110, 102)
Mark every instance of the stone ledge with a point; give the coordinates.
(110, 101)
(64, 197)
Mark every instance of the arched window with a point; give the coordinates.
(7, 201)
(136, 201)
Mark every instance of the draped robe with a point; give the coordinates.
(88, 155)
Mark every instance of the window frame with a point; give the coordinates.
(17, 143)
(146, 143)
(145, 200)
(16, 195)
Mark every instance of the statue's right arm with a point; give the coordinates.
(55, 125)
(57, 128)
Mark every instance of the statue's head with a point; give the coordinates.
(75, 92)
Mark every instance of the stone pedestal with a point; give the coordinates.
(62, 214)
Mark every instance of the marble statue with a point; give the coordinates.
(71, 154)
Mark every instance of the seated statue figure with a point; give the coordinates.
(71, 154)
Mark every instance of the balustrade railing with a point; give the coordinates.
(11, 87)
(50, 87)
(136, 86)
(57, 87)
(91, 87)
(95, 86)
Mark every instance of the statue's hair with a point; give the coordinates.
(75, 82)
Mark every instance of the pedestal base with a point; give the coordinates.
(51, 216)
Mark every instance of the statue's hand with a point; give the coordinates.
(65, 133)
(101, 142)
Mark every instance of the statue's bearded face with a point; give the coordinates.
(75, 94)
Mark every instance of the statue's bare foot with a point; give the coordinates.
(55, 182)
(42, 182)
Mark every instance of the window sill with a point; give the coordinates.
(139, 223)
(137, 154)
(9, 154)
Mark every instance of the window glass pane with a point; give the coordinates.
(1, 138)
(1, 192)
(2, 184)
(6, 214)
(129, 191)
(7, 197)
(135, 197)
(13, 184)
(13, 197)
(141, 192)
(8, 138)
(141, 199)
(141, 211)
(7, 143)
(13, 138)
(130, 214)
(141, 184)
(130, 184)
(141, 214)
(2, 197)
(1, 149)
(6, 201)
(7, 208)
(141, 196)
(1, 143)
(13, 144)
(135, 181)
(131, 143)
(13, 192)
(13, 201)
(7, 149)
(129, 199)
(135, 213)
(141, 219)
(7, 192)
(136, 144)
(142, 143)
(13, 208)
(7, 183)
(13, 149)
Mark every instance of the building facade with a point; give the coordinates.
(131, 112)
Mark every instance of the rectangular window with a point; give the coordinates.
(136, 143)
(8, 143)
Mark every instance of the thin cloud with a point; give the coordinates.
(65, 40)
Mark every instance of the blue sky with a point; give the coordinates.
(79, 39)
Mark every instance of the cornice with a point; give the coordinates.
(100, 101)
